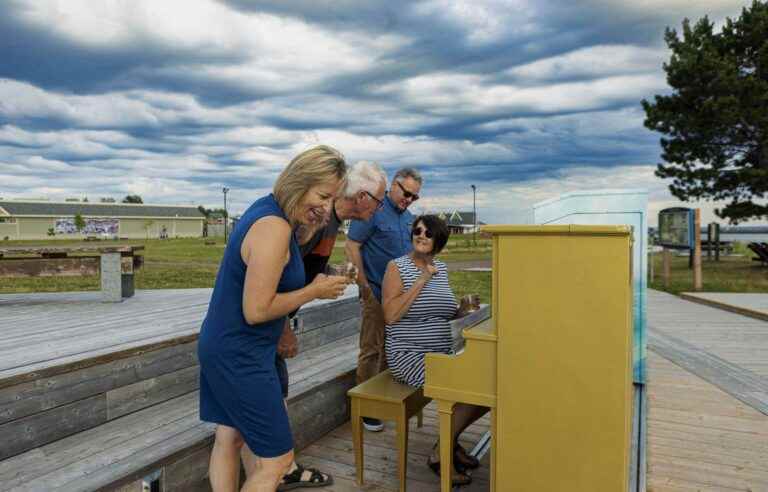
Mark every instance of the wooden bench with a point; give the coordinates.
(116, 264)
(91, 412)
(382, 397)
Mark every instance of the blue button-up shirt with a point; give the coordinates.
(386, 236)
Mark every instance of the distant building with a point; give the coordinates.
(460, 222)
(37, 219)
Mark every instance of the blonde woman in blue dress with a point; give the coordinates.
(261, 280)
(418, 304)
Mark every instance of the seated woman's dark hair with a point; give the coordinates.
(438, 228)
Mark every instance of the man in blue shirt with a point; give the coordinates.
(370, 246)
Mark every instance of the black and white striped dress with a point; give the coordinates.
(424, 328)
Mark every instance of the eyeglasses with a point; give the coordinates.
(408, 194)
(418, 230)
(379, 203)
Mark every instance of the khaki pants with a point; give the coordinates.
(371, 359)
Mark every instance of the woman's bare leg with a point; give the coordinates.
(267, 476)
(465, 415)
(251, 462)
(224, 467)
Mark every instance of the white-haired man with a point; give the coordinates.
(361, 197)
(371, 245)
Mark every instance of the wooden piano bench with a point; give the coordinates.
(381, 397)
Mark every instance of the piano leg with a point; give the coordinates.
(445, 410)
(494, 441)
(356, 423)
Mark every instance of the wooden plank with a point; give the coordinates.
(72, 362)
(314, 317)
(40, 250)
(36, 430)
(315, 413)
(188, 474)
(49, 267)
(329, 334)
(699, 437)
(17, 352)
(133, 397)
(737, 339)
(752, 305)
(71, 320)
(733, 379)
(48, 392)
(67, 453)
(135, 486)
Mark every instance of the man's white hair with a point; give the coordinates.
(364, 176)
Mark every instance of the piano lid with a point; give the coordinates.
(572, 229)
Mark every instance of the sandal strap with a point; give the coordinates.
(315, 476)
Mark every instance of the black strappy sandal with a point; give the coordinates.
(458, 478)
(466, 460)
(294, 480)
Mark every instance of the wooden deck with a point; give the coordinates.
(54, 331)
(700, 437)
(334, 454)
(708, 398)
(707, 391)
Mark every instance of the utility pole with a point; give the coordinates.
(474, 215)
(226, 214)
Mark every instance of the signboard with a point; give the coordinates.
(676, 228)
(92, 226)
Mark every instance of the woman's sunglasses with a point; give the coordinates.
(418, 230)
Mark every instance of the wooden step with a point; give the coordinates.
(169, 436)
(69, 362)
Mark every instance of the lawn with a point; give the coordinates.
(730, 274)
(190, 263)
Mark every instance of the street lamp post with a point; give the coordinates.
(225, 190)
(474, 215)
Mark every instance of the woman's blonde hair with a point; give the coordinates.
(310, 168)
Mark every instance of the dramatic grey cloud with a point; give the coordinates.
(175, 99)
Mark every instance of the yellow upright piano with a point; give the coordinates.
(554, 361)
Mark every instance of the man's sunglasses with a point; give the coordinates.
(418, 230)
(408, 194)
(379, 203)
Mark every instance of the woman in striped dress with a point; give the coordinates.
(418, 304)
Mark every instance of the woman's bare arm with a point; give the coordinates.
(394, 301)
(265, 253)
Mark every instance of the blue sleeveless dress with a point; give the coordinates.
(239, 385)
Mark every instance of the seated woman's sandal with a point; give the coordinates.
(458, 477)
(304, 477)
(464, 459)
(461, 462)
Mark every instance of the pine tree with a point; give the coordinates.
(715, 121)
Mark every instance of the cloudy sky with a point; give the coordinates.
(172, 100)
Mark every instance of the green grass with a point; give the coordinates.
(730, 274)
(471, 283)
(190, 263)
